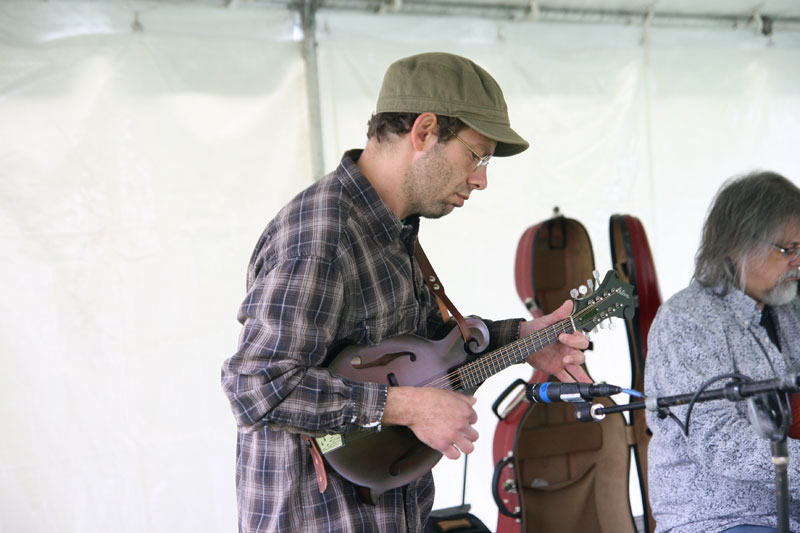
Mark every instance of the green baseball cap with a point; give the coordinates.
(454, 86)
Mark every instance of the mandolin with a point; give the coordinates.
(393, 457)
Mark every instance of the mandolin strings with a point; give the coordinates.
(487, 366)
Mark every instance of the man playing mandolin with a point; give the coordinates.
(336, 267)
(740, 315)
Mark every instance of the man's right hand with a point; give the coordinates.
(442, 419)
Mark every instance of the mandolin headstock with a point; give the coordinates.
(599, 301)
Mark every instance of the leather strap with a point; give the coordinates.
(365, 495)
(319, 466)
(435, 285)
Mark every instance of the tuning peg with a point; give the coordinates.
(596, 274)
(612, 325)
(590, 284)
(583, 290)
(574, 293)
(602, 325)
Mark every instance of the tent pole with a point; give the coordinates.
(308, 16)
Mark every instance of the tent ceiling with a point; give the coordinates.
(774, 8)
(672, 12)
(784, 12)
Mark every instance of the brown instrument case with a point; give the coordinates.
(553, 473)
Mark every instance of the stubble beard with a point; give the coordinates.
(424, 182)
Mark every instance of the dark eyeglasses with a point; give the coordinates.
(790, 254)
(482, 160)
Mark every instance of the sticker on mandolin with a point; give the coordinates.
(329, 443)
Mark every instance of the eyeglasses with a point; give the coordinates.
(790, 254)
(482, 160)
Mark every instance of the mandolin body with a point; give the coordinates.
(393, 457)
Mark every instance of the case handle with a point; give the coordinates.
(501, 506)
(504, 394)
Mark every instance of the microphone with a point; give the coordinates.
(549, 392)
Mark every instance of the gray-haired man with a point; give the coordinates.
(741, 314)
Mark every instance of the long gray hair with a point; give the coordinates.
(748, 213)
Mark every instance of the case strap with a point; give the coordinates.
(435, 285)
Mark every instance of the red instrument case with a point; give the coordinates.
(632, 258)
(553, 473)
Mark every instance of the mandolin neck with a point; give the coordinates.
(476, 372)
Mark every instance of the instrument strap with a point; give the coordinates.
(319, 466)
(435, 285)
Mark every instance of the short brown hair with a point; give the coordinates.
(382, 124)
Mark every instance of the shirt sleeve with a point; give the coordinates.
(275, 379)
(683, 353)
(501, 332)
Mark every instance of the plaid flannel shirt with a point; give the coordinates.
(334, 267)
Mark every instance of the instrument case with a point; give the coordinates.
(553, 473)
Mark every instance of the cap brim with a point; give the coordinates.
(509, 142)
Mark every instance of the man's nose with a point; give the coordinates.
(477, 180)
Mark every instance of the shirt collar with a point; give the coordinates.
(383, 223)
(744, 308)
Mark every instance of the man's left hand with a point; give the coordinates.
(562, 356)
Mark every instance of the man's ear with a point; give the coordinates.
(425, 132)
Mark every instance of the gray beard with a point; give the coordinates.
(782, 293)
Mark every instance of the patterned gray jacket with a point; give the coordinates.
(720, 475)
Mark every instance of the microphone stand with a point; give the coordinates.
(771, 423)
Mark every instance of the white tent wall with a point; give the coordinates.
(137, 169)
